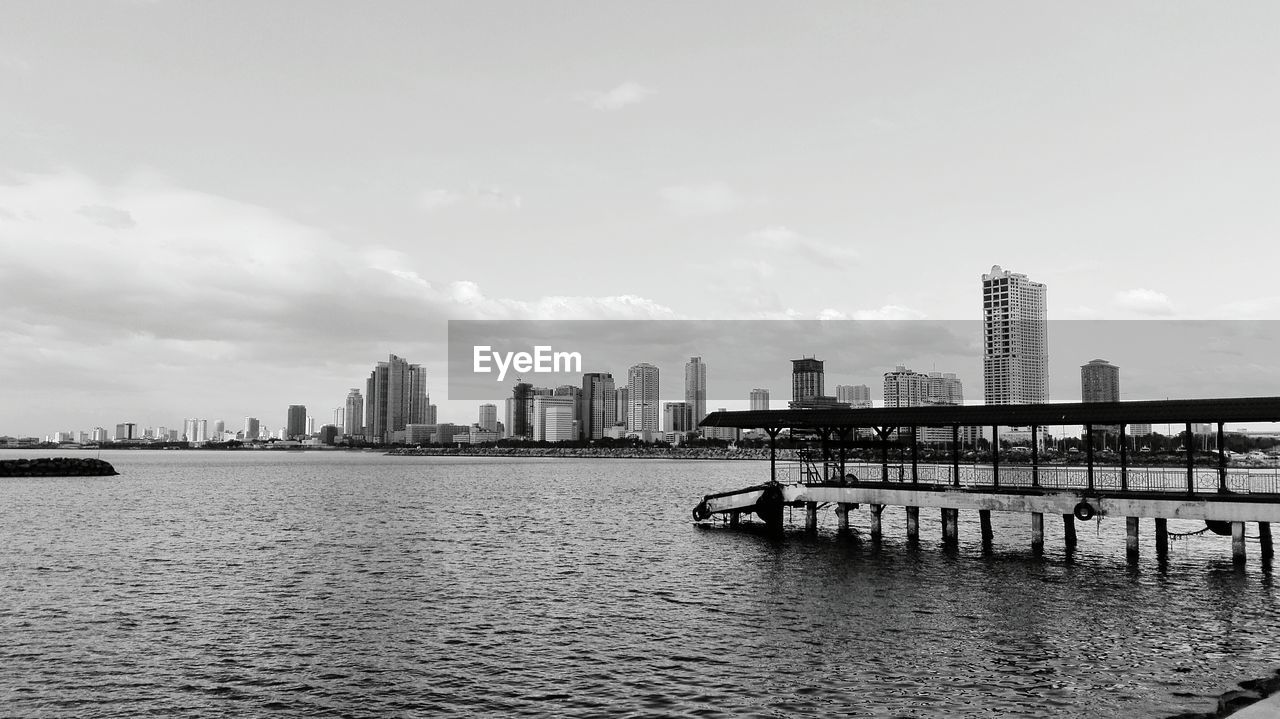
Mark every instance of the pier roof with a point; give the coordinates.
(1173, 411)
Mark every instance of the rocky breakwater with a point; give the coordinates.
(56, 467)
(1255, 699)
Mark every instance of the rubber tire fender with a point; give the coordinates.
(1085, 511)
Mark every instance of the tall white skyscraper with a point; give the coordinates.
(1015, 359)
(353, 417)
(642, 394)
(759, 399)
(489, 417)
(695, 389)
(858, 396)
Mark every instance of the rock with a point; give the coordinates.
(1236, 699)
(1263, 687)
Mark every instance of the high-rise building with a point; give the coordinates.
(759, 399)
(353, 417)
(218, 428)
(296, 421)
(642, 395)
(1139, 429)
(566, 411)
(251, 429)
(431, 412)
(519, 407)
(488, 417)
(311, 425)
(678, 417)
(857, 396)
(339, 419)
(126, 431)
(395, 395)
(729, 434)
(806, 385)
(907, 388)
(1099, 382)
(1015, 359)
(904, 388)
(99, 434)
(621, 406)
(695, 389)
(599, 404)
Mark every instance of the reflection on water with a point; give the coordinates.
(198, 583)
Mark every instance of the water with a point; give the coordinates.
(344, 584)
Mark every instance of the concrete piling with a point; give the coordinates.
(913, 524)
(1131, 538)
(733, 518)
(984, 518)
(876, 511)
(842, 516)
(1264, 540)
(811, 517)
(950, 527)
(1162, 537)
(1069, 531)
(1237, 542)
(1037, 532)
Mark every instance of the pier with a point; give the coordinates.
(1225, 497)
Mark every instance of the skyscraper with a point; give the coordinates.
(759, 399)
(857, 395)
(296, 422)
(678, 417)
(1099, 382)
(563, 419)
(1015, 359)
(395, 395)
(250, 429)
(520, 407)
(621, 406)
(904, 388)
(488, 417)
(599, 408)
(642, 395)
(806, 385)
(353, 418)
(695, 389)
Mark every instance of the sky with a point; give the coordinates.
(220, 209)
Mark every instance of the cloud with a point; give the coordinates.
(110, 217)
(628, 93)
(207, 304)
(489, 197)
(786, 243)
(712, 198)
(1144, 302)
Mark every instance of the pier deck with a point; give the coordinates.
(1223, 496)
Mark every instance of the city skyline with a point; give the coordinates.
(254, 245)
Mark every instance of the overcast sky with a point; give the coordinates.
(220, 209)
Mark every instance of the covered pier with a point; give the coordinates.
(1202, 486)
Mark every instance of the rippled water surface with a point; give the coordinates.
(350, 584)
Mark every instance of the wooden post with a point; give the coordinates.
(1088, 452)
(773, 453)
(955, 455)
(876, 510)
(984, 517)
(950, 528)
(1124, 459)
(995, 456)
(733, 518)
(1131, 538)
(1162, 537)
(913, 524)
(1035, 455)
(1264, 540)
(1037, 532)
(811, 517)
(842, 516)
(1069, 531)
(1237, 542)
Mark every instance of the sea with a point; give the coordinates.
(356, 584)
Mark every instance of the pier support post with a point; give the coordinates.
(1264, 541)
(1162, 537)
(950, 527)
(1037, 532)
(1131, 538)
(733, 518)
(842, 516)
(913, 524)
(1069, 531)
(984, 517)
(811, 517)
(876, 511)
(1237, 542)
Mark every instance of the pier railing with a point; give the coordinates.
(1200, 480)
